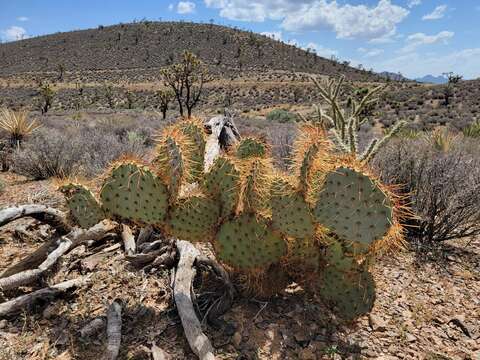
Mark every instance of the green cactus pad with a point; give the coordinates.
(247, 243)
(223, 182)
(304, 254)
(250, 147)
(171, 165)
(353, 207)
(84, 208)
(256, 186)
(194, 219)
(351, 294)
(290, 213)
(306, 166)
(335, 255)
(196, 137)
(133, 192)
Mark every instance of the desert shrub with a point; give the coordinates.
(16, 125)
(441, 183)
(472, 130)
(281, 115)
(84, 152)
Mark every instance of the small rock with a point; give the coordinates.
(236, 339)
(307, 354)
(410, 338)
(3, 324)
(49, 312)
(377, 323)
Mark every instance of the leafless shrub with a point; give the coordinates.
(85, 152)
(443, 186)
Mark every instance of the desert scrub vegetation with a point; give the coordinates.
(439, 173)
(76, 151)
(281, 116)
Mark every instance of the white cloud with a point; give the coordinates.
(22, 18)
(13, 33)
(418, 39)
(348, 21)
(320, 50)
(276, 35)
(413, 3)
(170, 7)
(185, 7)
(437, 13)
(369, 53)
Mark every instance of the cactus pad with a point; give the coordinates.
(194, 219)
(193, 130)
(84, 208)
(171, 163)
(250, 147)
(223, 182)
(256, 185)
(247, 243)
(133, 192)
(351, 294)
(290, 213)
(353, 206)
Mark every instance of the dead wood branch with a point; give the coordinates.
(114, 330)
(128, 240)
(75, 238)
(158, 353)
(144, 235)
(223, 133)
(24, 301)
(48, 215)
(184, 276)
(93, 327)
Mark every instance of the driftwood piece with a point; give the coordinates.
(48, 215)
(114, 330)
(32, 260)
(144, 235)
(223, 133)
(158, 353)
(184, 276)
(75, 238)
(128, 240)
(93, 327)
(24, 301)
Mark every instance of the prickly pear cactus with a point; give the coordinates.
(134, 193)
(84, 208)
(317, 228)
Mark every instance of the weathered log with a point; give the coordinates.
(75, 238)
(93, 327)
(128, 240)
(158, 353)
(144, 235)
(223, 133)
(184, 276)
(48, 215)
(114, 330)
(24, 301)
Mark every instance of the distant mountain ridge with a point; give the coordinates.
(430, 79)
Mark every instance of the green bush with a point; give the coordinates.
(282, 116)
(472, 130)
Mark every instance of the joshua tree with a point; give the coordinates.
(186, 79)
(453, 80)
(47, 93)
(61, 71)
(165, 96)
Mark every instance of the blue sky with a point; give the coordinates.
(414, 37)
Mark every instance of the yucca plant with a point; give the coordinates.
(17, 125)
(441, 139)
(472, 130)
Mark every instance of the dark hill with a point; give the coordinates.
(148, 45)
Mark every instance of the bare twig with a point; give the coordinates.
(48, 215)
(184, 276)
(24, 301)
(128, 240)
(75, 238)
(114, 330)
